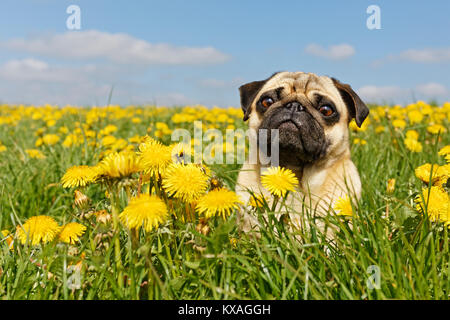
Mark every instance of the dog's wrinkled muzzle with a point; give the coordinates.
(301, 137)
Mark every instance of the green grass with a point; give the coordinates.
(411, 253)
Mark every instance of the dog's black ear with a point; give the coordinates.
(248, 93)
(356, 107)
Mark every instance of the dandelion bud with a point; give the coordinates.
(6, 235)
(205, 230)
(81, 200)
(203, 227)
(72, 251)
(103, 216)
(258, 200)
(102, 239)
(390, 186)
(215, 183)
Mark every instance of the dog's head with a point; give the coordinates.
(311, 113)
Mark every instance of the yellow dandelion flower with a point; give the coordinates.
(437, 204)
(71, 232)
(439, 176)
(154, 157)
(110, 128)
(38, 143)
(145, 210)
(120, 144)
(423, 172)
(257, 200)
(72, 140)
(343, 206)
(90, 133)
(38, 229)
(443, 175)
(186, 182)
(181, 152)
(35, 154)
(399, 123)
(108, 141)
(380, 129)
(39, 132)
(413, 145)
(51, 123)
(136, 139)
(159, 133)
(381, 111)
(279, 181)
(436, 128)
(79, 176)
(415, 116)
(359, 141)
(7, 236)
(445, 217)
(63, 130)
(119, 165)
(50, 139)
(412, 134)
(218, 202)
(444, 151)
(390, 186)
(364, 126)
(163, 127)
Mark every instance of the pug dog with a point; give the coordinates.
(311, 114)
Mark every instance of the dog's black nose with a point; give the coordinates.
(294, 106)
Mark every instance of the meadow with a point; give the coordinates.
(95, 205)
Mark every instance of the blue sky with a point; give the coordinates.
(189, 52)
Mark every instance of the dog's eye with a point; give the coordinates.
(266, 102)
(326, 110)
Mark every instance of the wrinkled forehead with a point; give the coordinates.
(307, 84)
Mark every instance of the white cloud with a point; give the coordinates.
(29, 64)
(426, 55)
(33, 81)
(39, 93)
(381, 94)
(333, 52)
(115, 47)
(36, 70)
(36, 82)
(30, 69)
(398, 94)
(432, 89)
